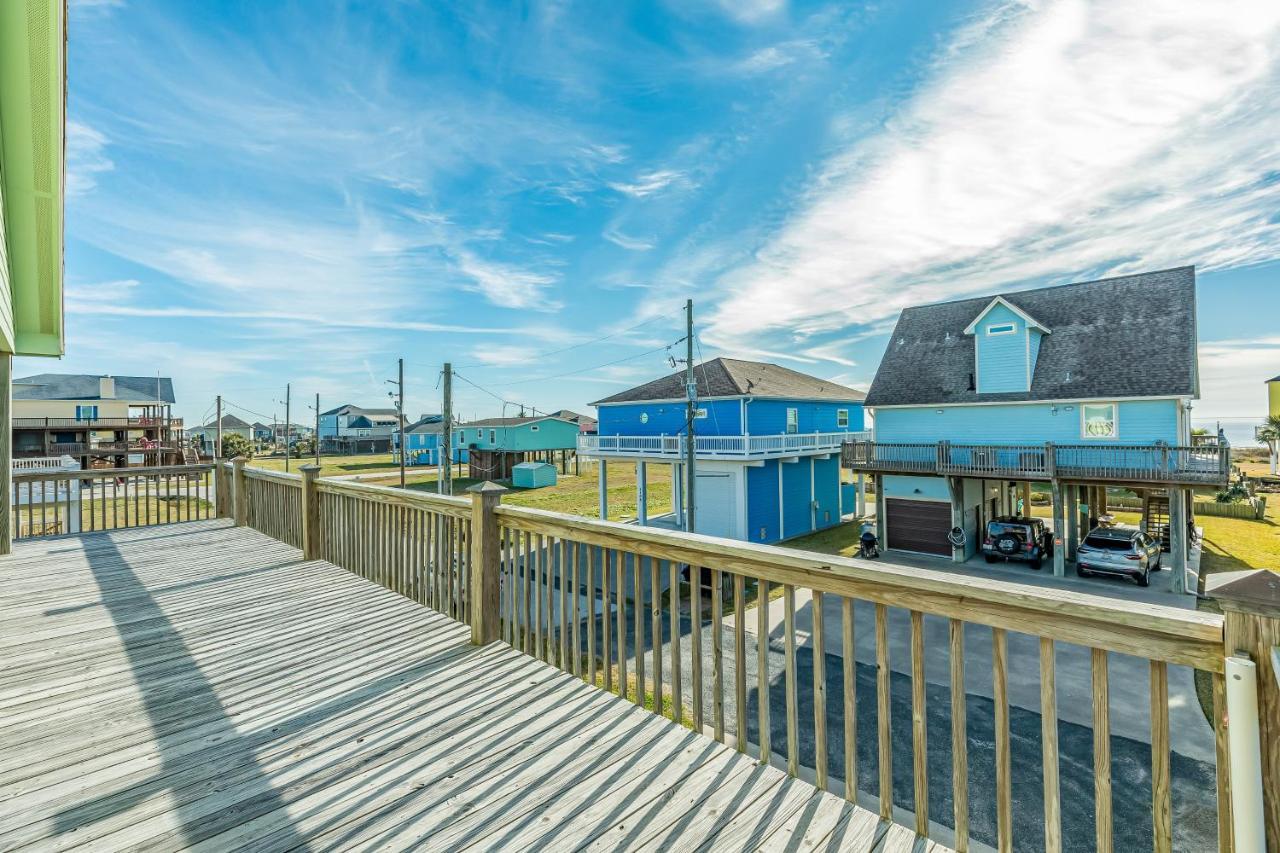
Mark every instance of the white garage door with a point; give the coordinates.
(715, 505)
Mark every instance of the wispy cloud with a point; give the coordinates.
(86, 158)
(648, 183)
(1054, 139)
(634, 244)
(505, 284)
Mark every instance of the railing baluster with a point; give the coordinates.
(620, 577)
(562, 581)
(849, 671)
(959, 737)
(606, 573)
(577, 615)
(1004, 772)
(1101, 749)
(526, 594)
(638, 642)
(695, 642)
(717, 656)
(762, 668)
(655, 630)
(591, 610)
(677, 689)
(789, 642)
(919, 723)
(883, 711)
(1049, 747)
(1161, 797)
(1226, 841)
(819, 692)
(740, 661)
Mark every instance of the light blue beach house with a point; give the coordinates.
(767, 447)
(422, 442)
(1081, 386)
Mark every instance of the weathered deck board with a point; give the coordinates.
(200, 686)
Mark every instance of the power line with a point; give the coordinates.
(247, 410)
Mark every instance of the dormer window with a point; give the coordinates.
(1001, 329)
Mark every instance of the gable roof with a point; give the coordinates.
(228, 422)
(1031, 322)
(348, 408)
(1128, 336)
(428, 424)
(731, 377)
(88, 386)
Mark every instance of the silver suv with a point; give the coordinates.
(1119, 551)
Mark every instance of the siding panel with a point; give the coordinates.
(1141, 422)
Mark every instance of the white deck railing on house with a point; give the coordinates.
(716, 446)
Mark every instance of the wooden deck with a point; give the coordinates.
(199, 686)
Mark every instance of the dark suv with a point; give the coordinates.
(1010, 538)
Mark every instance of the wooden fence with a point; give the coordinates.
(646, 613)
(51, 503)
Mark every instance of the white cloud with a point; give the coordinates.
(634, 244)
(1232, 373)
(1052, 140)
(649, 183)
(504, 284)
(86, 158)
(752, 11)
(102, 292)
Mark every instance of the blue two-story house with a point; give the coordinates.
(1081, 386)
(422, 440)
(767, 445)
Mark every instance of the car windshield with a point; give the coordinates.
(1106, 543)
(995, 528)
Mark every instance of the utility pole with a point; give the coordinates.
(315, 437)
(691, 391)
(287, 390)
(444, 483)
(217, 431)
(400, 414)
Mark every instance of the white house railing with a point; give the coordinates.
(717, 446)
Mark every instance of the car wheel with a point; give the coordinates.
(990, 558)
(1143, 579)
(1084, 573)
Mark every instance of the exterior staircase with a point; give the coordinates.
(1155, 514)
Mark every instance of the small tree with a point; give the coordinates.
(234, 444)
(304, 447)
(1269, 434)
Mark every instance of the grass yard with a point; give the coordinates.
(575, 495)
(334, 466)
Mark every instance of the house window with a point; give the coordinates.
(793, 420)
(842, 418)
(479, 435)
(699, 413)
(86, 413)
(493, 436)
(533, 428)
(1099, 420)
(1001, 329)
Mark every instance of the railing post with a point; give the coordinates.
(944, 455)
(239, 492)
(486, 564)
(1050, 461)
(1251, 629)
(310, 513)
(221, 489)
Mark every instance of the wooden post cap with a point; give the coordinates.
(310, 468)
(488, 487)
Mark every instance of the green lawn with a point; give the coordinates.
(575, 495)
(332, 466)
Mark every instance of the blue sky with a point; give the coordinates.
(261, 193)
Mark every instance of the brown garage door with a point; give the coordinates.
(919, 526)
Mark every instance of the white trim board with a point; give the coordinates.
(1000, 300)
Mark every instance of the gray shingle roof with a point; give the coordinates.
(87, 386)
(228, 422)
(1130, 336)
(731, 377)
(350, 408)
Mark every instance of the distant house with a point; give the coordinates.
(422, 440)
(352, 429)
(262, 433)
(205, 436)
(496, 445)
(586, 423)
(767, 446)
(103, 421)
(1082, 386)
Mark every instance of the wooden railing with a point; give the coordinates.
(49, 503)
(1201, 463)
(661, 619)
(96, 423)
(716, 446)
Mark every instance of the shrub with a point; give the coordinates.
(234, 445)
